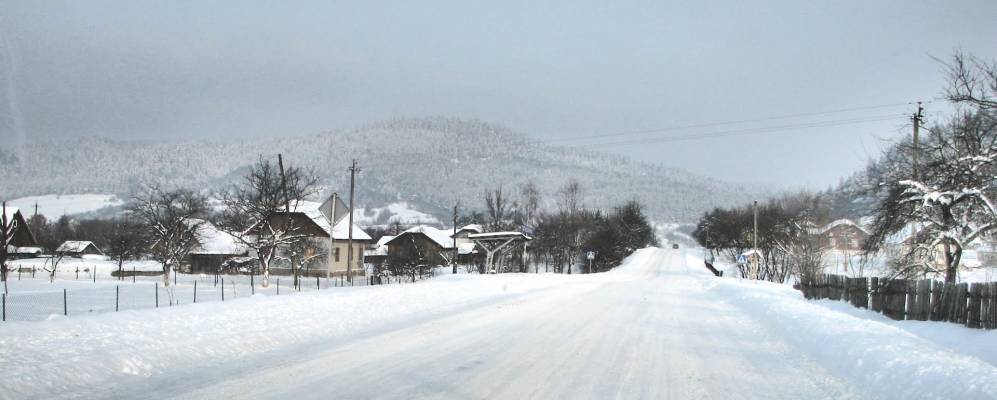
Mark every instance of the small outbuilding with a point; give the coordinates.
(78, 248)
(215, 249)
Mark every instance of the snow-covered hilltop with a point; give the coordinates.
(430, 163)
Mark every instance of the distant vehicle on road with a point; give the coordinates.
(675, 246)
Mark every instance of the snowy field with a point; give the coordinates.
(53, 206)
(660, 326)
(78, 294)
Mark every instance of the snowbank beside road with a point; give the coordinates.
(884, 360)
(979, 343)
(70, 357)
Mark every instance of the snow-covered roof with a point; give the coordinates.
(24, 250)
(904, 234)
(380, 248)
(439, 236)
(840, 222)
(494, 235)
(216, 241)
(75, 246)
(341, 231)
(467, 248)
(384, 240)
(471, 227)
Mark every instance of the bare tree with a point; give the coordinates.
(172, 221)
(570, 205)
(259, 210)
(7, 227)
(570, 197)
(803, 248)
(497, 205)
(125, 241)
(972, 81)
(529, 204)
(51, 265)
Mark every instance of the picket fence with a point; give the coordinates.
(970, 304)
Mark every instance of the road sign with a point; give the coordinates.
(590, 255)
(741, 259)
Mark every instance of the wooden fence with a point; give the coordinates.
(970, 304)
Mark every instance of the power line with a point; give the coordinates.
(712, 124)
(742, 132)
(416, 160)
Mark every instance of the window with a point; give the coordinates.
(336, 254)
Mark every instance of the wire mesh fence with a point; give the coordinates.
(40, 298)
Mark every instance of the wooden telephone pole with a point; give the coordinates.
(455, 252)
(287, 209)
(332, 237)
(755, 258)
(349, 238)
(917, 118)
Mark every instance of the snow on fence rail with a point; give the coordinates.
(973, 305)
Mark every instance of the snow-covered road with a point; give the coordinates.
(659, 326)
(650, 331)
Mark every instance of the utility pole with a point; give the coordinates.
(455, 252)
(754, 255)
(917, 119)
(349, 238)
(287, 207)
(3, 244)
(332, 238)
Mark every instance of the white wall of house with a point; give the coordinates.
(337, 263)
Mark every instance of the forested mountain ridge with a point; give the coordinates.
(430, 162)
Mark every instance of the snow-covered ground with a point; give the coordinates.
(53, 206)
(81, 293)
(660, 326)
(400, 212)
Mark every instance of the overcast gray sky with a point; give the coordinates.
(184, 69)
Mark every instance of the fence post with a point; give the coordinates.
(317, 287)
(133, 274)
(195, 291)
(4, 306)
(278, 286)
(174, 277)
(117, 290)
(973, 309)
(223, 289)
(94, 271)
(65, 303)
(157, 294)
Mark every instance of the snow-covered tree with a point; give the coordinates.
(950, 203)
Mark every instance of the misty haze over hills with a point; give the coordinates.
(428, 162)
